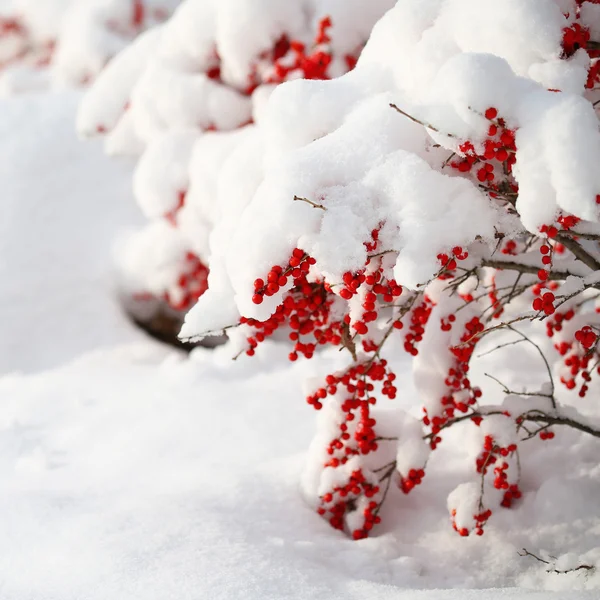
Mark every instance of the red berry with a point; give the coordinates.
(491, 113)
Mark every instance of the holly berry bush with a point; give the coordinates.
(442, 197)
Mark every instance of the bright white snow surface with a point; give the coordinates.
(62, 204)
(133, 472)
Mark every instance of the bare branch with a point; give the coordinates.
(526, 552)
(521, 268)
(574, 233)
(562, 420)
(579, 252)
(541, 353)
(313, 204)
(414, 120)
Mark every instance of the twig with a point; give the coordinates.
(387, 466)
(546, 562)
(387, 476)
(313, 204)
(579, 252)
(574, 233)
(465, 417)
(521, 268)
(414, 120)
(496, 328)
(551, 420)
(550, 377)
(527, 553)
(383, 252)
(447, 161)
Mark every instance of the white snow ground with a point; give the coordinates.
(62, 204)
(130, 472)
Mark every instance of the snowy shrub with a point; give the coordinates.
(183, 96)
(68, 41)
(443, 191)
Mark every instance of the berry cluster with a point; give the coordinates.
(343, 499)
(580, 353)
(297, 268)
(449, 263)
(306, 308)
(544, 301)
(494, 454)
(295, 61)
(480, 520)
(510, 248)
(496, 305)
(461, 394)
(494, 159)
(418, 318)
(414, 477)
(191, 284)
(574, 38)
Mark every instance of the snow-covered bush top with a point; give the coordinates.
(174, 95)
(340, 144)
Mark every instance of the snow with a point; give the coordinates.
(63, 205)
(197, 74)
(127, 474)
(130, 470)
(68, 42)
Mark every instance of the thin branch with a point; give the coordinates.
(414, 120)
(387, 476)
(574, 233)
(540, 352)
(527, 553)
(454, 421)
(579, 252)
(560, 420)
(546, 562)
(521, 268)
(447, 161)
(502, 325)
(504, 387)
(382, 253)
(313, 204)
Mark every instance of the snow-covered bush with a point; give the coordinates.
(68, 41)
(183, 96)
(444, 190)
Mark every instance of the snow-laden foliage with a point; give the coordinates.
(182, 97)
(445, 189)
(68, 41)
